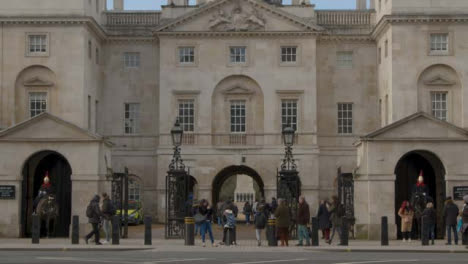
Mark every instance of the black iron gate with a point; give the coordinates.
(289, 188)
(119, 197)
(346, 195)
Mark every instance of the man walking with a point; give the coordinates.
(451, 212)
(94, 218)
(108, 211)
(303, 216)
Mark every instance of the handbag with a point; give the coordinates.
(460, 225)
(199, 218)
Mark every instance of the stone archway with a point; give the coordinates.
(407, 171)
(60, 172)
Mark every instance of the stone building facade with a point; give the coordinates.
(375, 92)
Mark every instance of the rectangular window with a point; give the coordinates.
(132, 115)
(439, 42)
(186, 55)
(37, 44)
(345, 118)
(344, 59)
(187, 115)
(289, 113)
(97, 56)
(439, 105)
(289, 54)
(237, 54)
(238, 116)
(37, 103)
(132, 59)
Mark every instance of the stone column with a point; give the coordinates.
(361, 4)
(119, 5)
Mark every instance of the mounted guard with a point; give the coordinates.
(419, 199)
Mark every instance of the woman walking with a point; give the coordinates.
(207, 212)
(282, 222)
(260, 221)
(324, 219)
(406, 214)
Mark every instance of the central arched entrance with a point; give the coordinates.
(226, 176)
(407, 171)
(60, 172)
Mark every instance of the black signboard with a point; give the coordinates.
(459, 192)
(7, 192)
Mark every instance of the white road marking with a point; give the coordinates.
(270, 261)
(382, 261)
(173, 260)
(84, 260)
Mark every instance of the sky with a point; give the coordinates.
(156, 4)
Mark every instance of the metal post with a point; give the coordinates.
(189, 231)
(344, 232)
(271, 233)
(148, 236)
(384, 231)
(125, 235)
(424, 231)
(36, 229)
(115, 230)
(315, 232)
(76, 230)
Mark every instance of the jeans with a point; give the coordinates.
(337, 229)
(206, 227)
(219, 221)
(258, 234)
(431, 233)
(247, 218)
(303, 233)
(94, 232)
(107, 229)
(451, 228)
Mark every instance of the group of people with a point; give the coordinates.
(330, 217)
(100, 216)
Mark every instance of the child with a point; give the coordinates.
(229, 226)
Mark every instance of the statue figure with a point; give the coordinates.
(44, 190)
(218, 19)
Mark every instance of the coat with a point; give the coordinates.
(108, 209)
(336, 214)
(96, 212)
(303, 214)
(451, 212)
(323, 217)
(430, 215)
(406, 219)
(283, 219)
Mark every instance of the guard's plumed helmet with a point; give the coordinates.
(46, 178)
(421, 177)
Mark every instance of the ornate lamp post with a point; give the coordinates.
(288, 183)
(176, 188)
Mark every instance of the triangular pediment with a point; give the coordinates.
(238, 16)
(439, 80)
(238, 90)
(37, 81)
(419, 126)
(46, 127)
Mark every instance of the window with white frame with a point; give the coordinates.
(37, 103)
(289, 54)
(37, 44)
(132, 116)
(439, 105)
(186, 55)
(344, 59)
(439, 42)
(237, 54)
(187, 115)
(132, 59)
(345, 118)
(289, 113)
(134, 190)
(238, 116)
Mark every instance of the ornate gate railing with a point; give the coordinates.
(346, 194)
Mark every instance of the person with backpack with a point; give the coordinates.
(94, 218)
(451, 212)
(336, 215)
(260, 221)
(108, 211)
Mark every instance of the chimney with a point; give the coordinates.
(361, 4)
(119, 5)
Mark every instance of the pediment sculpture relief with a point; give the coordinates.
(37, 81)
(239, 20)
(439, 80)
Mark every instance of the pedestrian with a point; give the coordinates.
(219, 212)
(430, 217)
(229, 228)
(336, 216)
(206, 212)
(323, 217)
(195, 207)
(303, 216)
(108, 211)
(94, 218)
(464, 215)
(273, 205)
(283, 221)
(260, 221)
(254, 209)
(451, 212)
(406, 214)
(247, 210)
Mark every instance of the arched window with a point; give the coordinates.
(134, 190)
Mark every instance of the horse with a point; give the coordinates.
(419, 202)
(48, 211)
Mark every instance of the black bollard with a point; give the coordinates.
(424, 231)
(315, 232)
(148, 236)
(189, 231)
(115, 230)
(344, 232)
(75, 239)
(384, 232)
(271, 233)
(36, 229)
